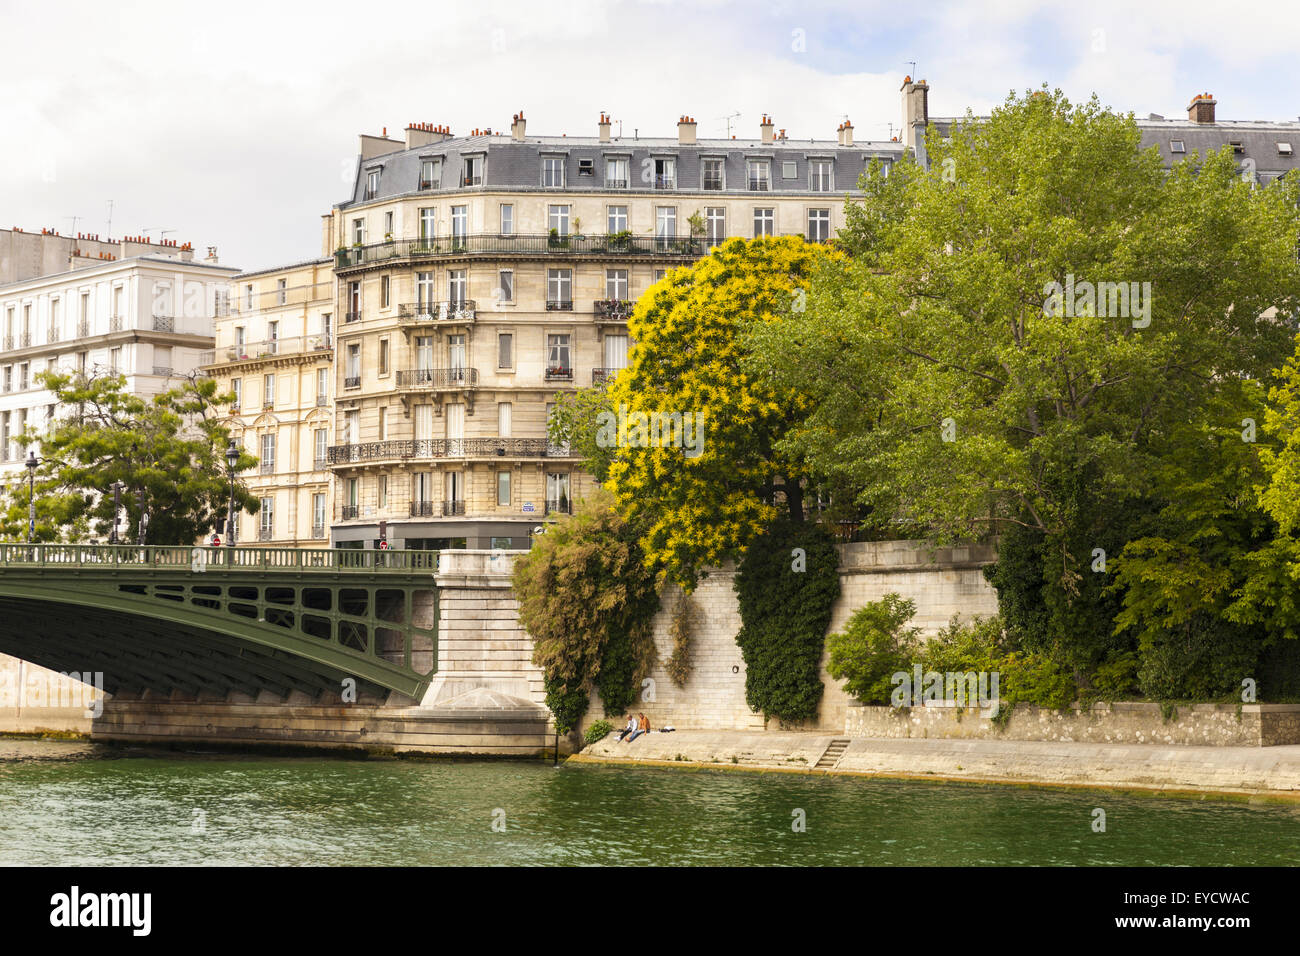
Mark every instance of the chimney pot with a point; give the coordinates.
(1201, 109)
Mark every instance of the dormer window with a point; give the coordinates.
(553, 172)
(586, 167)
(372, 183)
(1176, 146)
(1237, 145)
(1284, 149)
(473, 174)
(431, 174)
(665, 174)
(760, 175)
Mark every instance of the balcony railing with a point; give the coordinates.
(559, 305)
(495, 244)
(559, 374)
(115, 323)
(561, 507)
(350, 317)
(471, 180)
(616, 184)
(758, 185)
(429, 184)
(180, 559)
(266, 468)
(602, 376)
(164, 370)
(612, 310)
(401, 449)
(712, 183)
(24, 340)
(450, 310)
(265, 534)
(349, 512)
(352, 381)
(423, 509)
(271, 348)
(435, 378)
(322, 400)
(451, 508)
(320, 463)
(9, 342)
(164, 323)
(83, 328)
(53, 335)
(665, 182)
(318, 531)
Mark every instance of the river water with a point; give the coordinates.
(82, 804)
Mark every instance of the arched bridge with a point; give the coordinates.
(216, 620)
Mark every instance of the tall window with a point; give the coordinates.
(715, 224)
(764, 222)
(383, 356)
(389, 225)
(354, 302)
(557, 492)
(352, 371)
(819, 225)
(456, 353)
(321, 449)
(248, 294)
(505, 350)
(503, 489)
(281, 291)
(553, 171)
(473, 171)
(665, 171)
(616, 284)
(558, 220)
(665, 223)
(322, 385)
(459, 222)
(268, 453)
(457, 286)
(266, 515)
(385, 291)
(272, 336)
(268, 390)
(557, 355)
(358, 233)
(507, 219)
(424, 296)
(428, 222)
(352, 427)
(617, 221)
(760, 174)
(559, 289)
(382, 492)
(372, 184)
(616, 175)
(615, 352)
(318, 515)
(237, 388)
(711, 174)
(114, 364)
(430, 173)
(505, 285)
(819, 175)
(505, 412)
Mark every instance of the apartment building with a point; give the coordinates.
(274, 351)
(30, 255)
(146, 317)
(479, 276)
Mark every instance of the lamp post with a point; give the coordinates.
(31, 464)
(232, 459)
(117, 510)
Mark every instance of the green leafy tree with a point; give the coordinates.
(171, 447)
(875, 645)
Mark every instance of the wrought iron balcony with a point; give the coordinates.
(164, 323)
(603, 376)
(266, 467)
(471, 180)
(433, 379)
(268, 403)
(451, 508)
(423, 448)
(429, 184)
(9, 342)
(559, 305)
(115, 323)
(494, 244)
(665, 182)
(321, 463)
(616, 184)
(24, 340)
(271, 348)
(322, 400)
(348, 512)
(352, 381)
(429, 313)
(83, 328)
(423, 509)
(318, 531)
(559, 374)
(758, 185)
(265, 534)
(164, 370)
(712, 183)
(53, 335)
(612, 310)
(350, 317)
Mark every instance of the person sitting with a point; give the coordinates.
(630, 728)
(642, 727)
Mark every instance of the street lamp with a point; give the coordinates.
(232, 459)
(31, 464)
(117, 510)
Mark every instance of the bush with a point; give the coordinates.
(874, 645)
(599, 730)
(1203, 660)
(679, 665)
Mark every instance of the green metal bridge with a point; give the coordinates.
(215, 620)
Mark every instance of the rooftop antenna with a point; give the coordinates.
(75, 220)
(108, 233)
(912, 64)
(728, 118)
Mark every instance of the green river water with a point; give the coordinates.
(80, 804)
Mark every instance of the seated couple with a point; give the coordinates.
(636, 726)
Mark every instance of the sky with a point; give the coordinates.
(235, 124)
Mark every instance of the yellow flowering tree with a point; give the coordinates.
(694, 430)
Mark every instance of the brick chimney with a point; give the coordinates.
(846, 133)
(603, 128)
(517, 127)
(686, 130)
(916, 111)
(423, 134)
(766, 129)
(1201, 108)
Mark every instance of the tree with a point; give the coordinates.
(171, 447)
(695, 432)
(1037, 313)
(587, 599)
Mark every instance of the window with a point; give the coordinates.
(237, 389)
(553, 171)
(352, 371)
(503, 489)
(428, 222)
(505, 350)
(424, 296)
(457, 288)
(616, 284)
(268, 453)
(473, 175)
(764, 222)
(382, 431)
(456, 353)
(760, 174)
(819, 225)
(266, 516)
(819, 175)
(281, 291)
(507, 219)
(715, 224)
(318, 516)
(358, 236)
(321, 439)
(421, 487)
(1237, 145)
(505, 285)
(383, 357)
(615, 352)
(789, 169)
(1284, 149)
(665, 224)
(248, 295)
(268, 391)
(351, 426)
(385, 291)
(559, 289)
(504, 412)
(23, 380)
(557, 220)
(350, 492)
(382, 492)
(712, 175)
(354, 302)
(322, 386)
(430, 173)
(586, 167)
(389, 225)
(665, 173)
(372, 184)
(616, 174)
(557, 492)
(459, 222)
(557, 356)
(616, 221)
(272, 337)
(114, 363)
(9, 378)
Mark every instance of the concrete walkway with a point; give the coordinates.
(1268, 772)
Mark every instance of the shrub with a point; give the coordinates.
(679, 665)
(599, 730)
(874, 645)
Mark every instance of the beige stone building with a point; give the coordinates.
(480, 275)
(274, 351)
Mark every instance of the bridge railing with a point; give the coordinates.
(181, 558)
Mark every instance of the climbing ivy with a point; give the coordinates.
(787, 582)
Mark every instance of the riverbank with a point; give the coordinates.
(1253, 773)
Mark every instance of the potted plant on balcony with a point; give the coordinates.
(696, 222)
(619, 241)
(556, 241)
